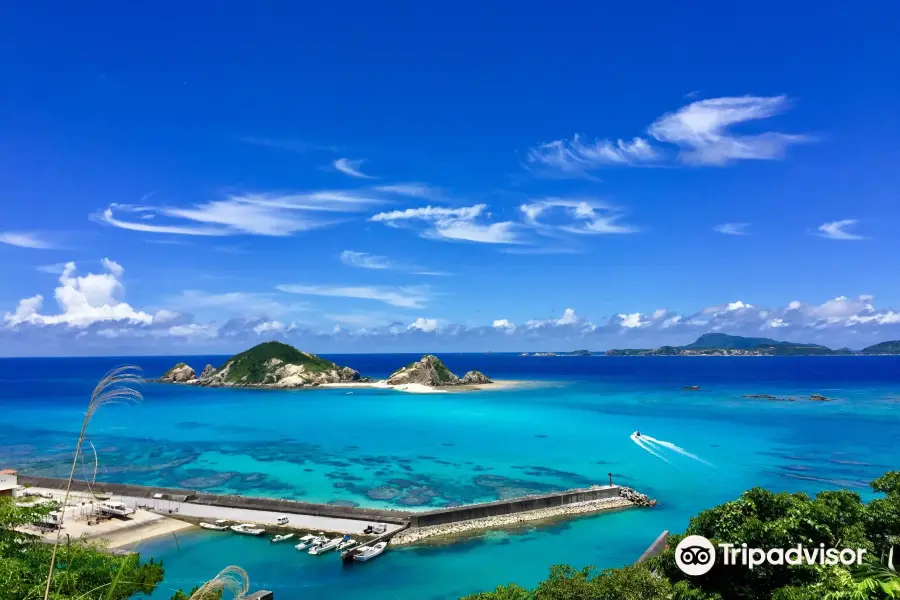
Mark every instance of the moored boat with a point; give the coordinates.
(306, 541)
(281, 538)
(325, 546)
(247, 529)
(364, 553)
(219, 525)
(346, 542)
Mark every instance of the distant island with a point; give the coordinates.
(722, 344)
(278, 365)
(572, 353)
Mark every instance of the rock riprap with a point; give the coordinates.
(636, 498)
(432, 372)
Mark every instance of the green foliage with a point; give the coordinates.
(83, 571)
(892, 347)
(206, 595)
(250, 365)
(765, 520)
(567, 583)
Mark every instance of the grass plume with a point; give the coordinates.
(117, 386)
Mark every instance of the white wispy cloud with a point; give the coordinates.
(413, 190)
(236, 303)
(404, 297)
(733, 228)
(24, 240)
(575, 157)
(454, 223)
(264, 214)
(578, 216)
(837, 230)
(351, 167)
(364, 260)
(702, 131)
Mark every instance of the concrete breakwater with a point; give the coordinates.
(459, 528)
(191, 497)
(513, 505)
(407, 527)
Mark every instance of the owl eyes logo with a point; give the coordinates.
(695, 555)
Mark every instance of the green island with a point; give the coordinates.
(279, 365)
(722, 344)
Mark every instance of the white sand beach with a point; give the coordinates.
(418, 388)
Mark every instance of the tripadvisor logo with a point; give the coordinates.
(695, 555)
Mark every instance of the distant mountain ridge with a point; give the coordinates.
(723, 344)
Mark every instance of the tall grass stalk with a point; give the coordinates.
(115, 387)
(230, 579)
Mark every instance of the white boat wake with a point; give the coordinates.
(659, 447)
(643, 446)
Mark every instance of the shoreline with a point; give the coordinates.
(450, 533)
(418, 388)
(381, 384)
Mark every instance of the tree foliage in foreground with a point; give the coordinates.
(764, 520)
(83, 571)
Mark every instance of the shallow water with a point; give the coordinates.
(392, 449)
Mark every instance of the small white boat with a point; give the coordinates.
(115, 509)
(281, 538)
(247, 529)
(219, 525)
(346, 543)
(325, 546)
(306, 541)
(369, 552)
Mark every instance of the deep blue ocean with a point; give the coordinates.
(419, 451)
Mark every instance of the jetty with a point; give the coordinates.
(399, 526)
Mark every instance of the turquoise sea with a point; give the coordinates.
(393, 449)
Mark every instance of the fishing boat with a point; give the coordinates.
(325, 546)
(365, 553)
(306, 541)
(281, 538)
(115, 509)
(247, 529)
(346, 542)
(219, 525)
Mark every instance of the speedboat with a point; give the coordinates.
(325, 546)
(247, 529)
(346, 542)
(281, 538)
(369, 552)
(306, 541)
(219, 525)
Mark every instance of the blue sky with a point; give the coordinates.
(412, 177)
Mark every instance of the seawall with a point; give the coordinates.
(514, 505)
(230, 501)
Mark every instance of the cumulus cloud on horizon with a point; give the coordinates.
(92, 313)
